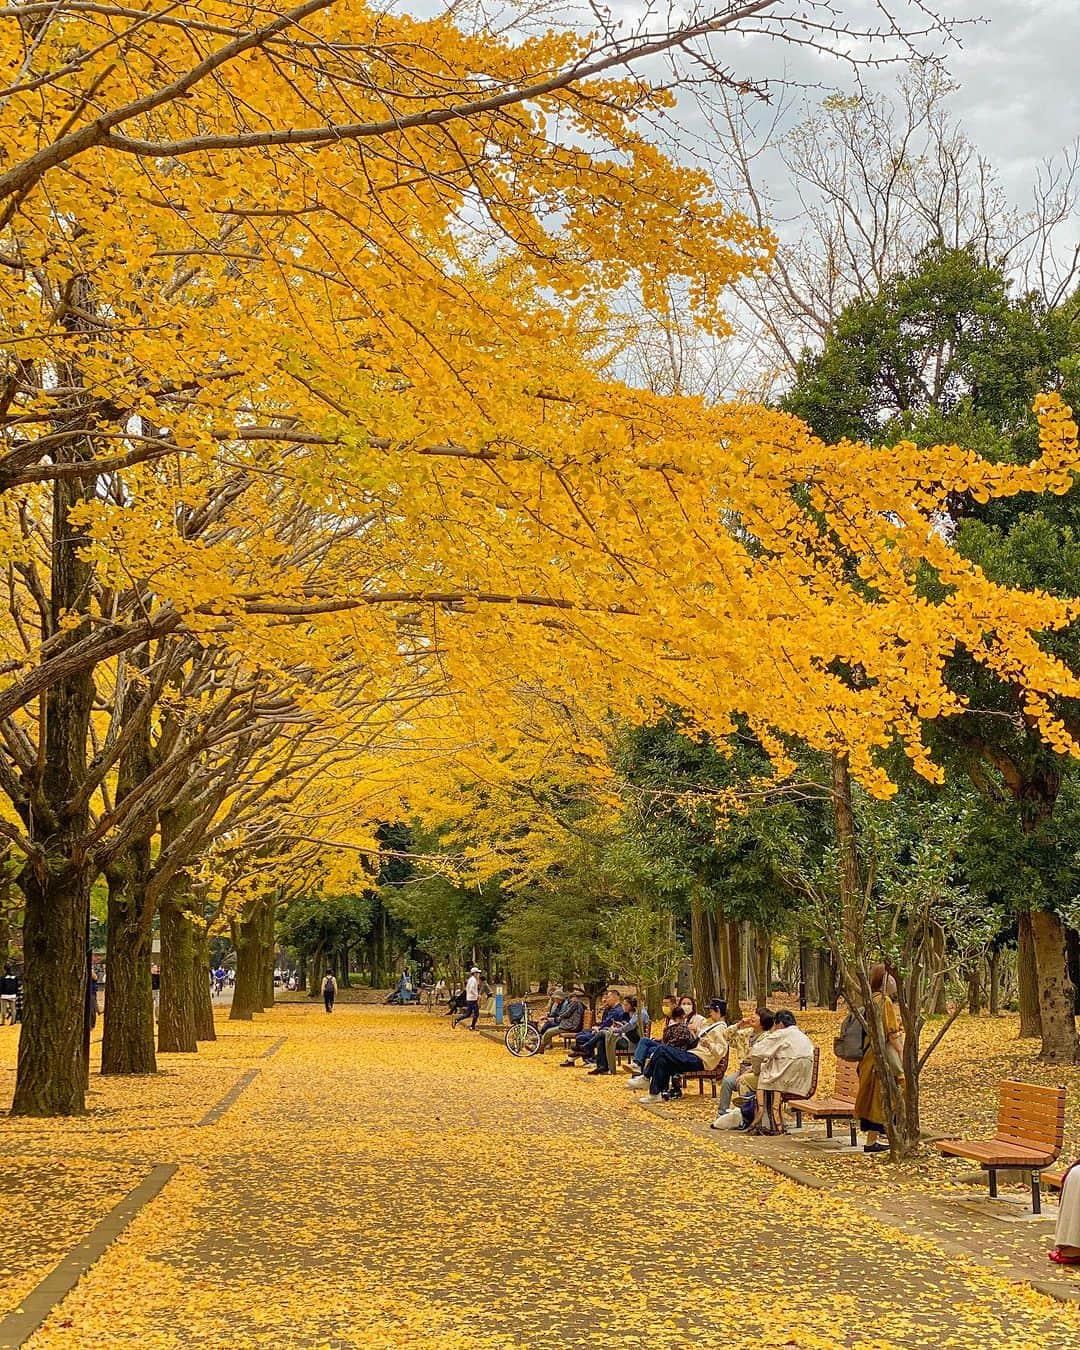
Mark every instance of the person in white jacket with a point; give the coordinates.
(670, 1060)
(785, 1064)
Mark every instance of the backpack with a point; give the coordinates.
(850, 1044)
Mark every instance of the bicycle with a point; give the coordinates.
(522, 1036)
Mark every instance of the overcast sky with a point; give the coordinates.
(1018, 73)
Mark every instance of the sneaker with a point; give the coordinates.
(650, 1099)
(567, 1063)
(593, 1072)
(638, 1082)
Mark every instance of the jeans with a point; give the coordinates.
(667, 1063)
(585, 1043)
(472, 1009)
(645, 1048)
(328, 1001)
(727, 1087)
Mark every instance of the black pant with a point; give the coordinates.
(328, 1000)
(472, 1009)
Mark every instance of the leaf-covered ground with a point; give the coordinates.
(388, 1182)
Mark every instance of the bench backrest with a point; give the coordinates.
(1032, 1115)
(846, 1086)
(817, 1067)
(587, 1023)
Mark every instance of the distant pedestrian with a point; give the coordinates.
(155, 987)
(329, 990)
(472, 999)
(10, 988)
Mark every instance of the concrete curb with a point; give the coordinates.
(18, 1326)
(216, 1112)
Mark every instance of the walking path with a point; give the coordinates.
(383, 1181)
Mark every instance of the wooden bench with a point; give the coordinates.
(710, 1076)
(1055, 1177)
(839, 1106)
(1030, 1134)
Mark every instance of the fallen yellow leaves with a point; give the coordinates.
(388, 1182)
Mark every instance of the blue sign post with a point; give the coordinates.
(498, 1005)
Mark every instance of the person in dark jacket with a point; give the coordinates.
(585, 1042)
(623, 1036)
(10, 986)
(570, 1022)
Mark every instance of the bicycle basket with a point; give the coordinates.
(516, 1012)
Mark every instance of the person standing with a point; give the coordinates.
(155, 986)
(329, 991)
(9, 995)
(472, 999)
(870, 1102)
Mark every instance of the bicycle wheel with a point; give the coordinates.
(531, 1040)
(515, 1038)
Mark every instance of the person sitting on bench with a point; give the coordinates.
(785, 1063)
(586, 1042)
(733, 1083)
(570, 1021)
(1066, 1248)
(623, 1036)
(681, 1029)
(558, 1002)
(669, 1061)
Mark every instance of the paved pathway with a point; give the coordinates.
(387, 1182)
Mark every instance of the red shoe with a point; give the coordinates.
(1056, 1255)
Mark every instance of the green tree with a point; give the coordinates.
(946, 353)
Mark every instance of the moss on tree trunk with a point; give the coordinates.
(176, 1015)
(127, 1045)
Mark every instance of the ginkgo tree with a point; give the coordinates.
(307, 348)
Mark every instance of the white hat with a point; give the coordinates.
(476, 971)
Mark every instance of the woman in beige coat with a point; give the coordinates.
(1066, 1249)
(785, 1063)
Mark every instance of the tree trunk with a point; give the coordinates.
(267, 948)
(1027, 979)
(127, 1045)
(201, 998)
(974, 990)
(700, 953)
(847, 847)
(54, 1044)
(52, 1069)
(937, 999)
(826, 980)
(250, 989)
(380, 953)
(994, 961)
(762, 968)
(1056, 994)
(735, 965)
(176, 1015)
(316, 971)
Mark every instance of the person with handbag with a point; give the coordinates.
(869, 1103)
